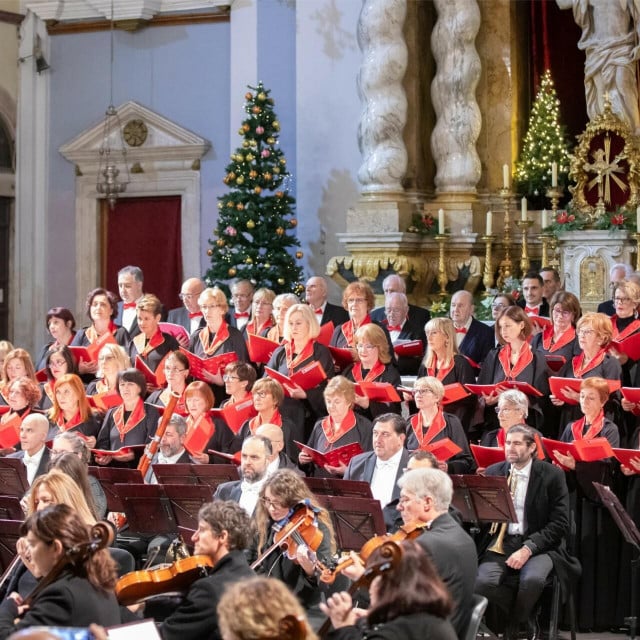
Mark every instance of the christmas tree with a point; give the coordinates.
(544, 143)
(254, 234)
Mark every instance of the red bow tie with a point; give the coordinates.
(128, 305)
(319, 311)
(461, 330)
(196, 314)
(534, 310)
(394, 327)
(241, 314)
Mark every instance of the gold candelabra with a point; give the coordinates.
(506, 265)
(524, 226)
(545, 238)
(554, 194)
(441, 238)
(636, 237)
(487, 277)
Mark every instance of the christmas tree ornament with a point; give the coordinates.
(267, 265)
(249, 260)
(267, 176)
(258, 190)
(253, 174)
(259, 130)
(265, 153)
(246, 127)
(270, 140)
(232, 272)
(299, 254)
(293, 222)
(280, 280)
(220, 243)
(279, 194)
(251, 224)
(256, 110)
(240, 206)
(248, 96)
(261, 96)
(240, 179)
(280, 231)
(209, 252)
(276, 125)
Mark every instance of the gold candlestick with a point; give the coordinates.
(442, 274)
(487, 277)
(505, 264)
(636, 237)
(553, 245)
(554, 194)
(524, 226)
(545, 238)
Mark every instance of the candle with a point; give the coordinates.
(523, 209)
(441, 221)
(489, 222)
(545, 222)
(638, 220)
(554, 174)
(505, 176)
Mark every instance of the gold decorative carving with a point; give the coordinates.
(135, 132)
(195, 165)
(137, 168)
(592, 279)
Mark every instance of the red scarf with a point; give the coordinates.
(136, 416)
(70, 424)
(548, 342)
(333, 432)
(143, 347)
(524, 360)
(255, 330)
(349, 328)
(595, 427)
(192, 424)
(375, 372)
(580, 367)
(437, 425)
(294, 360)
(632, 327)
(276, 419)
(92, 335)
(181, 406)
(439, 372)
(11, 415)
(210, 344)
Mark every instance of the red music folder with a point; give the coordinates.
(486, 456)
(582, 450)
(90, 352)
(555, 362)
(235, 458)
(342, 357)
(632, 394)
(10, 432)
(409, 348)
(41, 375)
(326, 333)
(624, 456)
(487, 389)
(309, 377)
(198, 437)
(333, 457)
(212, 365)
(454, 392)
(378, 391)
(444, 449)
(556, 384)
(260, 349)
(629, 346)
(105, 401)
(149, 375)
(235, 414)
(540, 321)
(175, 330)
(123, 450)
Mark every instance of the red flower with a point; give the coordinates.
(571, 218)
(515, 295)
(427, 221)
(617, 220)
(562, 217)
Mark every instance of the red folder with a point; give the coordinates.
(90, 352)
(342, 357)
(198, 438)
(333, 457)
(108, 452)
(149, 375)
(4, 409)
(105, 401)
(629, 346)
(540, 321)
(260, 349)
(582, 450)
(486, 456)
(624, 456)
(378, 391)
(555, 362)
(409, 349)
(175, 330)
(41, 375)
(307, 378)
(235, 458)
(235, 414)
(556, 384)
(444, 449)
(326, 333)
(632, 394)
(487, 389)
(10, 432)
(211, 365)
(454, 392)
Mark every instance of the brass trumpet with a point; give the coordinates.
(498, 544)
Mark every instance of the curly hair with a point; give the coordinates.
(229, 516)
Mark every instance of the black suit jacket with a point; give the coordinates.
(454, 554)
(544, 306)
(181, 316)
(361, 467)
(334, 313)
(478, 341)
(196, 617)
(229, 491)
(607, 307)
(43, 467)
(418, 316)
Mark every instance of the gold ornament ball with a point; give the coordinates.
(220, 243)
(256, 110)
(249, 260)
(299, 254)
(240, 179)
(251, 224)
(276, 170)
(239, 206)
(209, 252)
(258, 190)
(231, 175)
(232, 272)
(245, 144)
(250, 157)
(253, 174)
(246, 127)
(279, 231)
(230, 204)
(270, 140)
(280, 280)
(248, 96)
(241, 131)
(267, 265)
(276, 125)
(220, 205)
(261, 96)
(283, 161)
(293, 222)
(267, 176)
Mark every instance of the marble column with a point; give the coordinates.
(384, 116)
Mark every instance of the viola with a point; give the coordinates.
(138, 586)
(408, 531)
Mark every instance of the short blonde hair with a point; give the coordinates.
(339, 385)
(599, 385)
(600, 323)
(376, 336)
(431, 384)
(150, 303)
(630, 289)
(307, 315)
(214, 295)
(119, 355)
(271, 386)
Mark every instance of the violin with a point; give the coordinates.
(408, 531)
(175, 579)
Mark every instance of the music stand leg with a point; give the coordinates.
(632, 620)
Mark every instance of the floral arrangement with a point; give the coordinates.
(564, 221)
(618, 220)
(511, 286)
(440, 308)
(424, 224)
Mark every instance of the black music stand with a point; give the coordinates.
(630, 532)
(355, 520)
(147, 508)
(13, 477)
(186, 502)
(109, 477)
(9, 534)
(214, 474)
(174, 473)
(339, 487)
(483, 499)
(10, 508)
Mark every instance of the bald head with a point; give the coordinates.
(33, 433)
(461, 307)
(189, 293)
(315, 291)
(273, 433)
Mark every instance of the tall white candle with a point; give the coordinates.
(489, 223)
(545, 222)
(638, 220)
(441, 221)
(523, 209)
(554, 174)
(505, 176)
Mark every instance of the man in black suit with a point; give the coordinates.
(34, 453)
(223, 532)
(383, 467)
(617, 273)
(533, 301)
(534, 545)
(278, 458)
(189, 314)
(315, 292)
(242, 297)
(395, 284)
(254, 458)
(425, 496)
(473, 338)
(130, 284)
(171, 448)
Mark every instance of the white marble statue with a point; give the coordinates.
(610, 35)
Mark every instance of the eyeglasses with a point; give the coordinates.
(272, 504)
(621, 300)
(260, 394)
(187, 296)
(206, 307)
(498, 305)
(57, 363)
(421, 392)
(366, 347)
(500, 410)
(562, 312)
(104, 358)
(229, 378)
(356, 301)
(585, 332)
(173, 370)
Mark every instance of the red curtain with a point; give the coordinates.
(554, 45)
(146, 232)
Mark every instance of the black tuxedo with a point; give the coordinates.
(229, 491)
(478, 341)
(543, 309)
(607, 307)
(43, 465)
(361, 467)
(411, 330)
(181, 316)
(334, 313)
(196, 616)
(418, 316)
(183, 459)
(454, 554)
